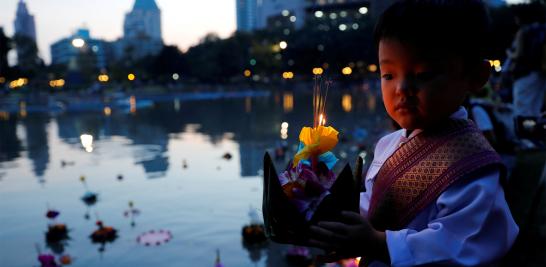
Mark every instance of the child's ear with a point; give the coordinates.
(480, 76)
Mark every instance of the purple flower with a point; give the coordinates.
(305, 187)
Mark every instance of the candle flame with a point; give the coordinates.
(322, 120)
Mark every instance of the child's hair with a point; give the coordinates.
(438, 28)
(530, 13)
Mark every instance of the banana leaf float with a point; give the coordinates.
(285, 223)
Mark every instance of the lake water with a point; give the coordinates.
(204, 205)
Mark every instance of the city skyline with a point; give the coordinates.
(184, 22)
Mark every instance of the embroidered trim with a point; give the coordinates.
(418, 172)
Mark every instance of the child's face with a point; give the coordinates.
(417, 92)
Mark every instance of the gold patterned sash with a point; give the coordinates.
(421, 169)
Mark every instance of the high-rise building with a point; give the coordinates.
(67, 49)
(339, 15)
(143, 20)
(281, 13)
(260, 14)
(24, 22)
(247, 14)
(25, 39)
(141, 30)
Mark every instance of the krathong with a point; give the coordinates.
(308, 190)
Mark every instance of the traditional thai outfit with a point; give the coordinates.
(437, 194)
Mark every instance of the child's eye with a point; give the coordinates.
(387, 76)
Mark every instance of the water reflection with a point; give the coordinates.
(10, 144)
(253, 122)
(347, 102)
(288, 102)
(181, 142)
(37, 143)
(87, 142)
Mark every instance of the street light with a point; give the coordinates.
(363, 10)
(103, 78)
(247, 73)
(318, 71)
(283, 45)
(78, 42)
(288, 75)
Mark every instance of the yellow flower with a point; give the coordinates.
(317, 141)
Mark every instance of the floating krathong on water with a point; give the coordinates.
(56, 233)
(154, 238)
(308, 191)
(103, 234)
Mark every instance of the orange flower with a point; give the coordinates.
(317, 141)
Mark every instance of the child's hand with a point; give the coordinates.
(354, 237)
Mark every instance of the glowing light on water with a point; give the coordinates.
(347, 102)
(87, 142)
(248, 104)
(288, 102)
(23, 109)
(132, 103)
(176, 104)
(284, 130)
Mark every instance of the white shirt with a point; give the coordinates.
(469, 224)
(481, 118)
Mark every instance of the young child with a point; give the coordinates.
(433, 191)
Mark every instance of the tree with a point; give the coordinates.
(5, 46)
(168, 61)
(28, 61)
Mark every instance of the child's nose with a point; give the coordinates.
(406, 86)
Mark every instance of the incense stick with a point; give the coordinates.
(319, 102)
